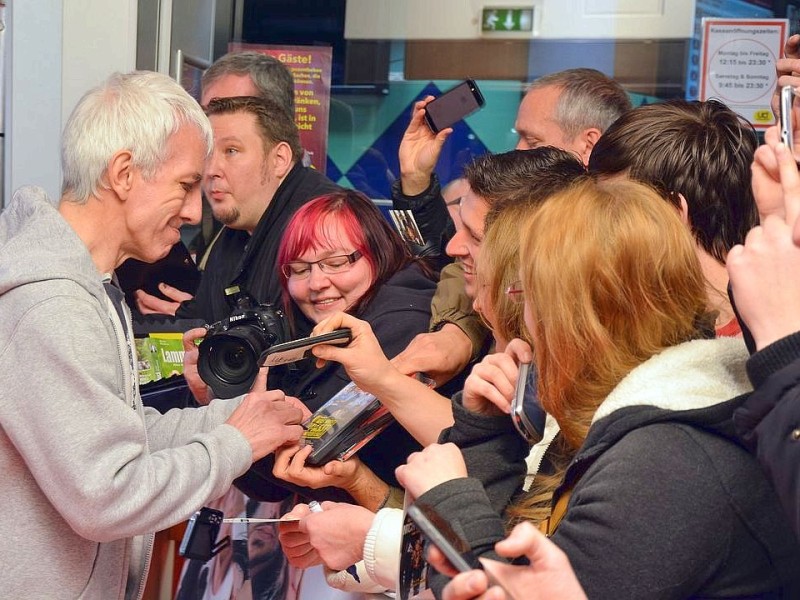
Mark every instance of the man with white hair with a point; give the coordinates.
(88, 471)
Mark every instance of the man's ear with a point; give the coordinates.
(119, 173)
(282, 159)
(586, 141)
(683, 209)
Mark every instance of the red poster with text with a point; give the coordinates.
(311, 69)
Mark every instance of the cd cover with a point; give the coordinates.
(346, 423)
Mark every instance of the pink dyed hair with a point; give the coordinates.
(379, 244)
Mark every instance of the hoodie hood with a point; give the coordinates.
(698, 383)
(37, 244)
(692, 375)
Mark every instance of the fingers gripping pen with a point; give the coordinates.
(315, 506)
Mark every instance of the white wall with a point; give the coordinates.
(56, 50)
(552, 19)
(33, 95)
(99, 38)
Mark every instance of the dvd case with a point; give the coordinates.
(346, 423)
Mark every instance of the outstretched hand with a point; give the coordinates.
(334, 536)
(441, 355)
(362, 358)
(432, 466)
(290, 465)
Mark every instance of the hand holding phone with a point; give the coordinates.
(281, 354)
(442, 535)
(452, 106)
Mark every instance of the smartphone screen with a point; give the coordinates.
(281, 354)
(787, 128)
(453, 105)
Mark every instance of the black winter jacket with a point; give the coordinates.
(666, 503)
(769, 421)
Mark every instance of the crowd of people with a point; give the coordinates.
(628, 273)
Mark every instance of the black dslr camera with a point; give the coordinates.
(231, 351)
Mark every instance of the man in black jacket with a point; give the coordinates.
(253, 203)
(254, 182)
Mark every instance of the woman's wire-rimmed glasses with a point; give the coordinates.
(298, 269)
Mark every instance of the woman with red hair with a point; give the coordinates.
(339, 254)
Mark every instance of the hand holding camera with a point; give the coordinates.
(253, 336)
(229, 356)
(198, 387)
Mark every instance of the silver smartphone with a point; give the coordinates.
(518, 416)
(787, 128)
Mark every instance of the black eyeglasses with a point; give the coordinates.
(331, 265)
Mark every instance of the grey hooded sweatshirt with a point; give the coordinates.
(87, 472)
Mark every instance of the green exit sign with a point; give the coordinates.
(506, 19)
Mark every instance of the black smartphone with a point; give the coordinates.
(453, 105)
(281, 354)
(787, 129)
(518, 416)
(442, 535)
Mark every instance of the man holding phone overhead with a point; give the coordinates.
(569, 110)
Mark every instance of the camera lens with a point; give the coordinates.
(228, 362)
(234, 362)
